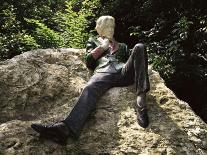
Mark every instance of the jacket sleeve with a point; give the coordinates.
(89, 59)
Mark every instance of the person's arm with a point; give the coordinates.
(89, 60)
(94, 51)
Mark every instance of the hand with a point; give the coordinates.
(104, 43)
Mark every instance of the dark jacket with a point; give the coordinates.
(106, 63)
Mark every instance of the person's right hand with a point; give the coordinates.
(104, 43)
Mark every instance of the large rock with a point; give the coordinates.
(42, 86)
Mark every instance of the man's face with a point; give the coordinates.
(106, 29)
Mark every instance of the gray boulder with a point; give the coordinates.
(42, 86)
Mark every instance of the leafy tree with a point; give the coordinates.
(28, 24)
(73, 22)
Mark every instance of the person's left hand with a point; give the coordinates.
(104, 43)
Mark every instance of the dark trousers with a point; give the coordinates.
(135, 71)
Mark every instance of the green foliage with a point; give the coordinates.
(45, 36)
(14, 36)
(29, 42)
(73, 24)
(9, 19)
(26, 25)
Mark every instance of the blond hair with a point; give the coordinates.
(104, 21)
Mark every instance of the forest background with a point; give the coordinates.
(175, 34)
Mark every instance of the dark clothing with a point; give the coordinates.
(108, 62)
(135, 70)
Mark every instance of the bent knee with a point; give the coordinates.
(139, 46)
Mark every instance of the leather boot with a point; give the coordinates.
(141, 110)
(57, 132)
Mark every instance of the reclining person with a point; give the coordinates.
(114, 65)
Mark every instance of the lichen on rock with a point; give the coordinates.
(42, 86)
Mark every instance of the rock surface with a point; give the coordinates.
(41, 87)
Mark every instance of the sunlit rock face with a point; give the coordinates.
(42, 86)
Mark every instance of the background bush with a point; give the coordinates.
(28, 24)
